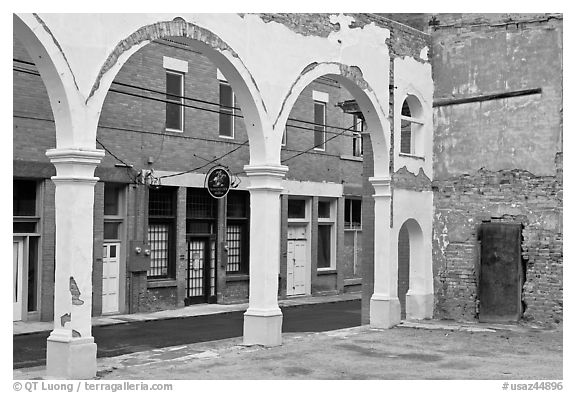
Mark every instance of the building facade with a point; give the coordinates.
(110, 162)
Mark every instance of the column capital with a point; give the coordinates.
(266, 177)
(381, 186)
(75, 164)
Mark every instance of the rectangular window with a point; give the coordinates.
(24, 198)
(323, 209)
(226, 125)
(175, 101)
(161, 228)
(324, 246)
(237, 235)
(320, 125)
(112, 199)
(358, 126)
(159, 241)
(353, 214)
(296, 208)
(326, 234)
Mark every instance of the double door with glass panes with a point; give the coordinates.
(201, 270)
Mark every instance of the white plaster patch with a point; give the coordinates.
(424, 53)
(173, 64)
(320, 96)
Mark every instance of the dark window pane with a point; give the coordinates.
(323, 209)
(406, 109)
(174, 93)
(161, 202)
(296, 208)
(324, 244)
(24, 198)
(199, 227)
(237, 204)
(199, 204)
(111, 199)
(112, 251)
(32, 273)
(226, 111)
(111, 230)
(356, 213)
(319, 118)
(406, 137)
(24, 227)
(173, 86)
(173, 116)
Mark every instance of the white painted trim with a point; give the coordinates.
(220, 76)
(173, 64)
(320, 96)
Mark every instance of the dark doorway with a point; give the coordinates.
(403, 268)
(500, 284)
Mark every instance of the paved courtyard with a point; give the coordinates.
(431, 350)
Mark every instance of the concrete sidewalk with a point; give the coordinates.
(413, 350)
(190, 311)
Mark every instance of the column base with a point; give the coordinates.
(263, 328)
(70, 358)
(419, 306)
(384, 312)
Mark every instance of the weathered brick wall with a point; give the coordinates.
(462, 204)
(498, 160)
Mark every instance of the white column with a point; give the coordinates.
(71, 351)
(263, 319)
(384, 304)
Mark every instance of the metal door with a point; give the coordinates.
(17, 275)
(110, 277)
(201, 271)
(500, 284)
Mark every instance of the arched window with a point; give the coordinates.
(410, 126)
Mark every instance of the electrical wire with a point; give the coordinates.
(320, 144)
(300, 152)
(203, 102)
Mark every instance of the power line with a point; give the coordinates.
(203, 102)
(214, 111)
(320, 144)
(208, 163)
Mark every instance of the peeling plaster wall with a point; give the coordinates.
(412, 77)
(498, 160)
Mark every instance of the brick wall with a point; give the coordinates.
(462, 204)
(498, 160)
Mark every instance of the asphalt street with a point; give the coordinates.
(119, 339)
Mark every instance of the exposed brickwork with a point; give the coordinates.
(405, 179)
(462, 204)
(498, 160)
(47, 251)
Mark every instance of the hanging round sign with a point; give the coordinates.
(218, 182)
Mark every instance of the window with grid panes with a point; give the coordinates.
(237, 234)
(201, 212)
(161, 228)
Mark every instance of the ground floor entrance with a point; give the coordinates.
(201, 270)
